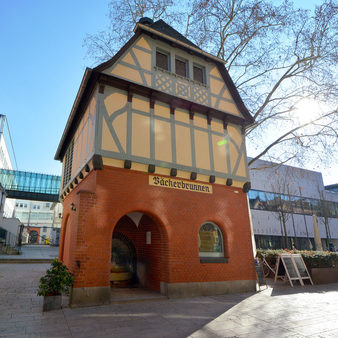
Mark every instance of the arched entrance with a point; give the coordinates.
(33, 237)
(137, 252)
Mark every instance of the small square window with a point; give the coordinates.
(162, 60)
(199, 74)
(181, 67)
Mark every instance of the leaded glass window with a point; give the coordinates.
(210, 241)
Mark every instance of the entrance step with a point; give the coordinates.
(134, 295)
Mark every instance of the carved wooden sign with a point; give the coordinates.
(167, 182)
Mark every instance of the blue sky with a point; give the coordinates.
(43, 61)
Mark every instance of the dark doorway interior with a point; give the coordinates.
(136, 258)
(123, 261)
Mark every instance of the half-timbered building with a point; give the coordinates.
(155, 174)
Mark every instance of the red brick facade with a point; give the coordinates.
(173, 216)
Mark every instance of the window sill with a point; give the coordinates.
(213, 260)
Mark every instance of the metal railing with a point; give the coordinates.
(10, 244)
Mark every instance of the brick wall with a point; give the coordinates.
(174, 218)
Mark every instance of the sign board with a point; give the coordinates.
(294, 268)
(259, 273)
(167, 182)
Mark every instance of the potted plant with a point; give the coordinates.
(56, 281)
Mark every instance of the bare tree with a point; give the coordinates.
(324, 212)
(284, 186)
(279, 58)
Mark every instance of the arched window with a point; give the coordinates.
(210, 241)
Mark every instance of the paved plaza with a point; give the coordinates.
(311, 311)
(33, 253)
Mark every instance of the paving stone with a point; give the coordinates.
(280, 312)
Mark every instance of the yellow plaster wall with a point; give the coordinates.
(136, 65)
(135, 61)
(127, 73)
(237, 138)
(228, 107)
(120, 127)
(140, 136)
(162, 109)
(84, 137)
(108, 142)
(163, 150)
(183, 145)
(217, 125)
(182, 115)
(114, 99)
(143, 58)
(200, 121)
(140, 103)
(202, 150)
(219, 152)
(220, 95)
(142, 42)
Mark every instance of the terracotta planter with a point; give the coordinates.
(324, 275)
(51, 303)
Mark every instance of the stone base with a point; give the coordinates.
(90, 296)
(180, 290)
(51, 303)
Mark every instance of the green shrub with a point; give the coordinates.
(57, 279)
(312, 259)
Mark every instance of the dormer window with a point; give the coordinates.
(199, 73)
(181, 67)
(162, 59)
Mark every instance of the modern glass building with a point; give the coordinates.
(286, 204)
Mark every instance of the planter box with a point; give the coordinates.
(324, 275)
(51, 303)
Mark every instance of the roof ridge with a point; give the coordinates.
(161, 26)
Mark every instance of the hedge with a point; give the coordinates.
(312, 259)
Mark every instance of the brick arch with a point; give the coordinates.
(64, 231)
(151, 264)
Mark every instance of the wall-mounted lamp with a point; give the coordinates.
(72, 207)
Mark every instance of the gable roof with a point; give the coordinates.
(165, 32)
(164, 28)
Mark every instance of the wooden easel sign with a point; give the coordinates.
(259, 273)
(294, 266)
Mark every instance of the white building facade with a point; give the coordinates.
(5, 163)
(286, 203)
(42, 221)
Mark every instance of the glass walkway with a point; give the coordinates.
(30, 186)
